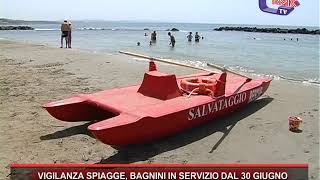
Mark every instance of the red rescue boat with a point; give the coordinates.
(161, 106)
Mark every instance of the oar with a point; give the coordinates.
(184, 65)
(224, 69)
(165, 61)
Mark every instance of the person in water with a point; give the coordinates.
(197, 37)
(190, 36)
(65, 28)
(138, 43)
(172, 39)
(154, 36)
(145, 34)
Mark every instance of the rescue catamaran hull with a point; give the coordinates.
(156, 108)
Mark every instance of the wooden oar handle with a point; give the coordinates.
(226, 70)
(164, 61)
(184, 65)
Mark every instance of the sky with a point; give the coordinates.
(193, 11)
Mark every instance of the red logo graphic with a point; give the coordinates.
(287, 3)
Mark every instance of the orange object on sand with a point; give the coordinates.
(294, 123)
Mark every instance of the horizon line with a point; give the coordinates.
(160, 21)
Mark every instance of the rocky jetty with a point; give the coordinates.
(16, 28)
(173, 29)
(4, 21)
(269, 30)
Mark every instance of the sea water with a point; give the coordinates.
(255, 53)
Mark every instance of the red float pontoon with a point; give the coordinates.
(161, 106)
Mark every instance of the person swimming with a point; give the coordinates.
(190, 37)
(154, 36)
(172, 39)
(197, 37)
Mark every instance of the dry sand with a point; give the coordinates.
(31, 75)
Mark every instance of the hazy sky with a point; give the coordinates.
(198, 11)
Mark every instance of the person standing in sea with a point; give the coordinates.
(65, 28)
(69, 35)
(172, 39)
(190, 37)
(197, 37)
(154, 36)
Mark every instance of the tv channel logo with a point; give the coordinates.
(285, 7)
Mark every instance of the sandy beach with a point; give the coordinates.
(34, 74)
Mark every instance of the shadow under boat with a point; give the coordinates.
(68, 132)
(142, 152)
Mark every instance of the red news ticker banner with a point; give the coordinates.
(159, 171)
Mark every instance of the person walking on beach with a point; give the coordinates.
(65, 28)
(197, 37)
(172, 39)
(154, 36)
(69, 35)
(190, 37)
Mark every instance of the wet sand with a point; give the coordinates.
(33, 74)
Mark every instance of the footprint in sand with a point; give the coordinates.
(310, 136)
(35, 113)
(49, 65)
(184, 162)
(252, 127)
(261, 139)
(150, 161)
(306, 151)
(14, 114)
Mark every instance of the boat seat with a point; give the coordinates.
(160, 85)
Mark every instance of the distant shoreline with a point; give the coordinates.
(270, 30)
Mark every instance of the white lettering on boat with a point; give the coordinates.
(255, 93)
(215, 106)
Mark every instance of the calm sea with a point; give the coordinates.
(255, 53)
